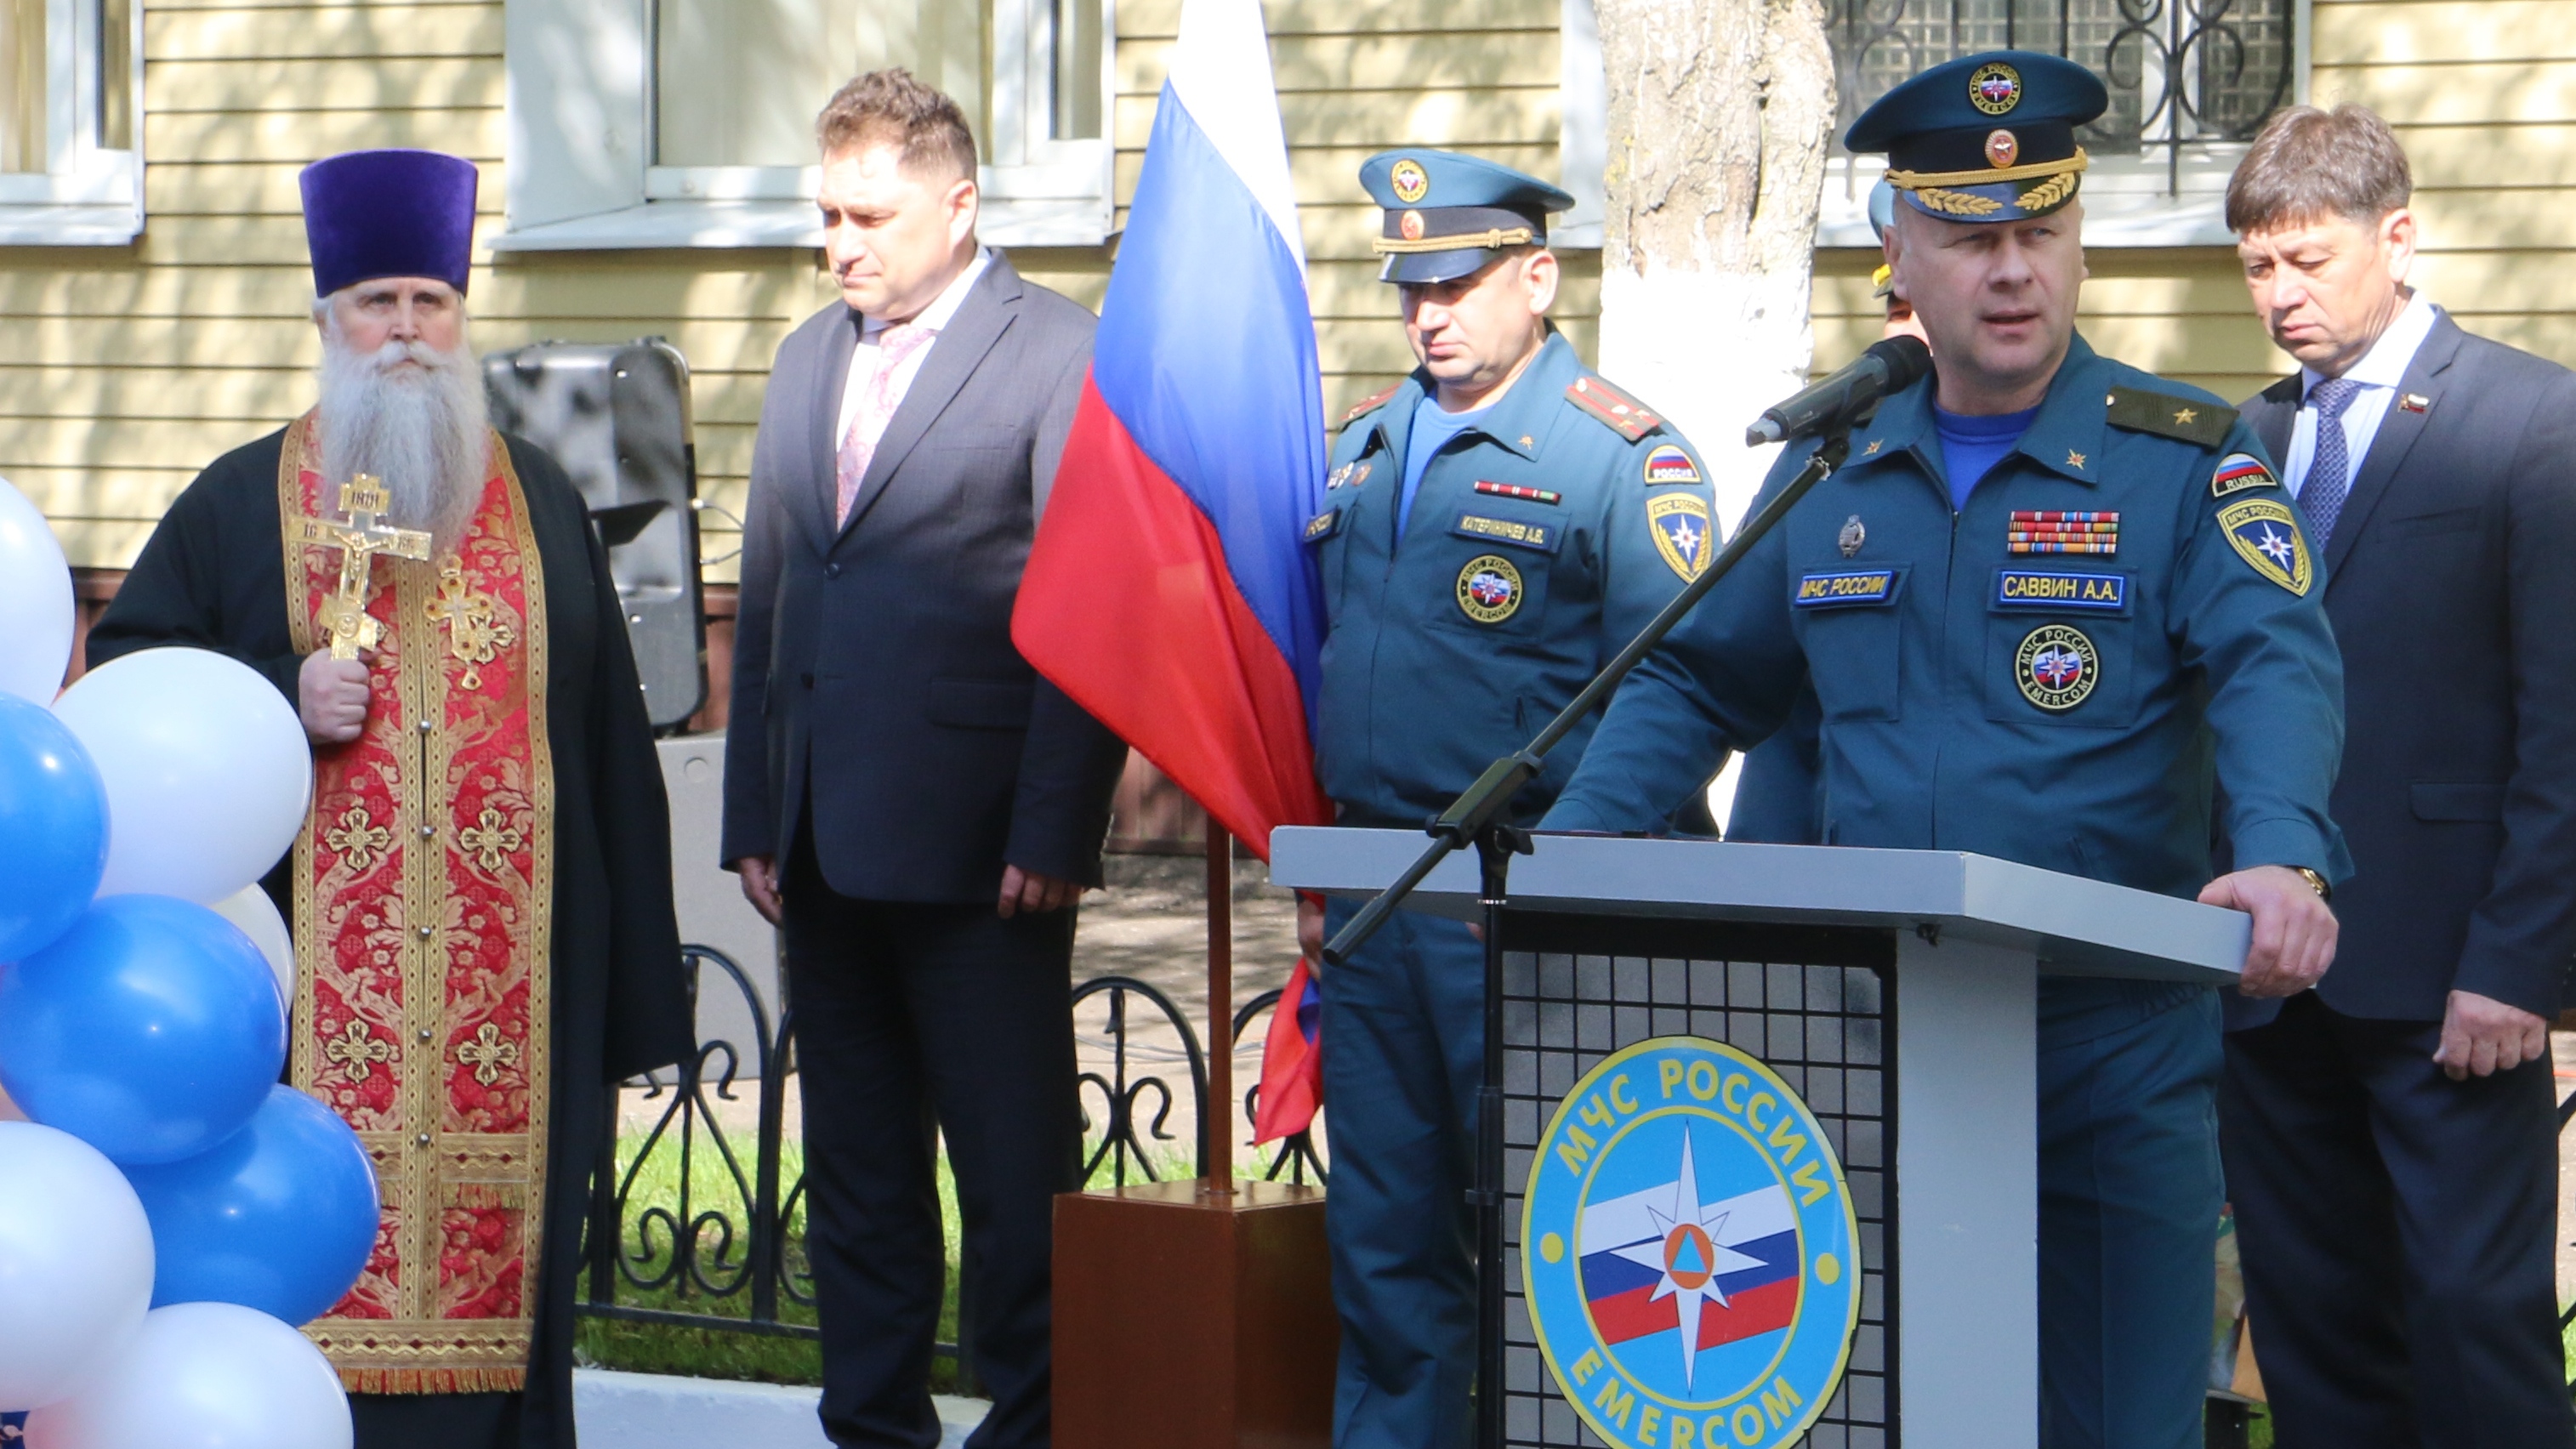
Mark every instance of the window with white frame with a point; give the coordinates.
(723, 107)
(69, 172)
(2190, 83)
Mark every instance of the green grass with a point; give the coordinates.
(729, 1354)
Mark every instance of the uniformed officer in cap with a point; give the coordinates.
(1497, 525)
(2045, 601)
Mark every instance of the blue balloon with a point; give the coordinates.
(149, 1030)
(281, 1216)
(53, 827)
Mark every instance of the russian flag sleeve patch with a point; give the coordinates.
(2240, 473)
(1669, 464)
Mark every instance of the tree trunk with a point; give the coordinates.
(1720, 113)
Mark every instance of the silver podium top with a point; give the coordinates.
(2076, 927)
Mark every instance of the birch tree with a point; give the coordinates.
(1720, 112)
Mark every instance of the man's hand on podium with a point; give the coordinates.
(2294, 928)
(1310, 929)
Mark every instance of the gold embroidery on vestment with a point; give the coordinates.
(357, 1052)
(475, 632)
(358, 839)
(487, 1054)
(453, 933)
(492, 841)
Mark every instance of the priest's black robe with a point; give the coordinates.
(213, 576)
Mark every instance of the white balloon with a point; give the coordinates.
(206, 768)
(252, 910)
(205, 1376)
(35, 601)
(75, 1264)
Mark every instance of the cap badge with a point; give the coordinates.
(1412, 183)
(2003, 148)
(1994, 88)
(1852, 536)
(1410, 224)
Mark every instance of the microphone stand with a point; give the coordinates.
(1476, 818)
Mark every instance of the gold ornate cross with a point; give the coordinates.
(488, 1055)
(363, 500)
(357, 1052)
(475, 631)
(492, 842)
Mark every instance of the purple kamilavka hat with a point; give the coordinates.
(370, 214)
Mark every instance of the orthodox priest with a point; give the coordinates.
(481, 898)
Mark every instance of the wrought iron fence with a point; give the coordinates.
(2181, 73)
(733, 1260)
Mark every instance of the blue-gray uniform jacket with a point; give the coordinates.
(1540, 542)
(2061, 708)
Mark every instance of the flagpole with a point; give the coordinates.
(1219, 1123)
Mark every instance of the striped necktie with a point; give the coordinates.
(2329, 480)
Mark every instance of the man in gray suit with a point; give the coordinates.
(904, 796)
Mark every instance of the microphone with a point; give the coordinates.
(1839, 401)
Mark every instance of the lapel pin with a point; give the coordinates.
(2415, 402)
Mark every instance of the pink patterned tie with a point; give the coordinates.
(877, 402)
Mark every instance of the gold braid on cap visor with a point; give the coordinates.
(1932, 188)
(1516, 236)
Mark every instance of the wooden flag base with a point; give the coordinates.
(1186, 1319)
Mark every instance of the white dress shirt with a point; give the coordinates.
(864, 364)
(2379, 372)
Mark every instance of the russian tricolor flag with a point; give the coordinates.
(1169, 591)
(1651, 1256)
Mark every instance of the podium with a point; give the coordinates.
(1680, 1019)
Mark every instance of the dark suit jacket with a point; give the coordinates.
(875, 685)
(2451, 584)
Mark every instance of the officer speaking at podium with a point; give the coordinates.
(2047, 597)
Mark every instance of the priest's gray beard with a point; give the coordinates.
(421, 430)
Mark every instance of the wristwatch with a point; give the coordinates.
(2316, 882)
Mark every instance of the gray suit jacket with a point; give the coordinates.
(877, 698)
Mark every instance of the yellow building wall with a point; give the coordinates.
(123, 371)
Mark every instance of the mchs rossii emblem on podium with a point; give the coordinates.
(1690, 1252)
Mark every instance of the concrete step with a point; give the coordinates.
(616, 1410)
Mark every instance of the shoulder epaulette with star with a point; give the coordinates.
(1368, 405)
(2167, 416)
(1623, 414)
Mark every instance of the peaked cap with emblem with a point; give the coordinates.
(1448, 214)
(1987, 137)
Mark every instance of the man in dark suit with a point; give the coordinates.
(916, 808)
(2390, 1137)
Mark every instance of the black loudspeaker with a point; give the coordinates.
(616, 416)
